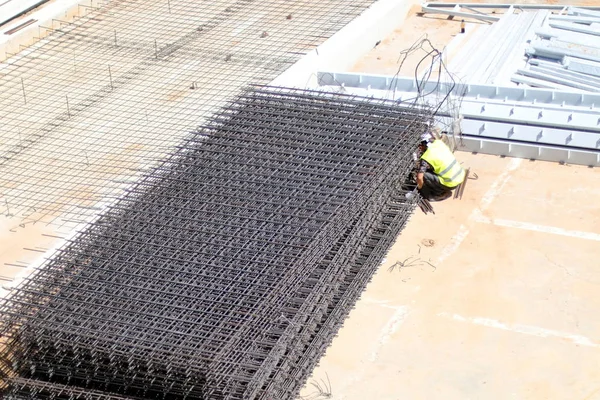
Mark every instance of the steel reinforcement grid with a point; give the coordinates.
(97, 101)
(225, 272)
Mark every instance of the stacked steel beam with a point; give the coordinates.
(226, 271)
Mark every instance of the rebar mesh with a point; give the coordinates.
(87, 109)
(226, 270)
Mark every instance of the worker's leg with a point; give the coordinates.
(432, 188)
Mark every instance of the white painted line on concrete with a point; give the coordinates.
(382, 303)
(524, 329)
(390, 328)
(486, 201)
(455, 242)
(536, 228)
(499, 184)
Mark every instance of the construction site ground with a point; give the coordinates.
(493, 297)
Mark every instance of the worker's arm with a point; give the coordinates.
(423, 167)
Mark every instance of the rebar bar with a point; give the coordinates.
(226, 270)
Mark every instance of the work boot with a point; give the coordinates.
(442, 196)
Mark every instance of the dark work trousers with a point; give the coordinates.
(432, 188)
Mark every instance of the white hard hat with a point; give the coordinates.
(426, 137)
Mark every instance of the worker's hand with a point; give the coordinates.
(420, 180)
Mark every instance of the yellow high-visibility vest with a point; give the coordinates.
(444, 164)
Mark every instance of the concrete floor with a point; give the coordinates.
(494, 297)
(497, 298)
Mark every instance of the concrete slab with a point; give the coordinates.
(494, 297)
(480, 311)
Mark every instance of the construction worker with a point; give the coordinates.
(438, 171)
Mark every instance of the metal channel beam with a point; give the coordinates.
(551, 51)
(531, 134)
(575, 28)
(540, 124)
(474, 91)
(587, 120)
(572, 128)
(529, 151)
(540, 83)
(575, 19)
(582, 66)
(583, 12)
(566, 73)
(456, 13)
(565, 36)
(556, 78)
(505, 6)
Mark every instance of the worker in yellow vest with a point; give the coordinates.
(438, 171)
